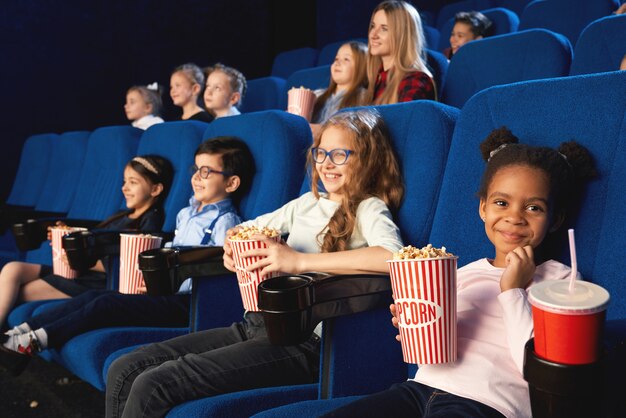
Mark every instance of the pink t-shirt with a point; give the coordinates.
(493, 328)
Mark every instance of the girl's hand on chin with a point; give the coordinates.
(278, 257)
(519, 270)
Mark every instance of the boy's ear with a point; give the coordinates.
(196, 88)
(558, 221)
(233, 183)
(234, 98)
(156, 189)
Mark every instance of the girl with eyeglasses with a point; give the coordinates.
(147, 180)
(346, 226)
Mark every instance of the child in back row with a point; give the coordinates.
(224, 91)
(222, 173)
(143, 105)
(147, 180)
(186, 84)
(347, 227)
(525, 195)
(348, 84)
(468, 26)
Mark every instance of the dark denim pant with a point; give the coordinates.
(413, 400)
(97, 309)
(151, 380)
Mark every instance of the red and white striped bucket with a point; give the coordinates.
(249, 280)
(424, 292)
(131, 245)
(59, 266)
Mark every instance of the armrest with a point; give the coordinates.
(85, 248)
(156, 265)
(30, 233)
(292, 306)
(12, 214)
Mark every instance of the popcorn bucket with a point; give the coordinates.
(300, 102)
(249, 280)
(59, 266)
(131, 245)
(424, 292)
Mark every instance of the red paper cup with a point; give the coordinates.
(131, 245)
(300, 102)
(424, 292)
(59, 266)
(568, 325)
(249, 280)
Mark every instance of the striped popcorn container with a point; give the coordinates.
(300, 101)
(424, 292)
(249, 280)
(59, 266)
(131, 245)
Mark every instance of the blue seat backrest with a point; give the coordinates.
(278, 141)
(448, 11)
(329, 51)
(313, 78)
(32, 170)
(568, 17)
(503, 59)
(287, 62)
(601, 46)
(67, 158)
(263, 93)
(516, 6)
(547, 112)
(433, 36)
(177, 141)
(421, 132)
(502, 21)
(438, 64)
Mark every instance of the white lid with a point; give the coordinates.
(554, 296)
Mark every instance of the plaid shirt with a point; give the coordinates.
(414, 86)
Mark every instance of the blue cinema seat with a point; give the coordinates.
(87, 191)
(263, 93)
(543, 112)
(516, 6)
(502, 21)
(438, 64)
(287, 62)
(277, 180)
(420, 131)
(601, 46)
(503, 59)
(567, 17)
(448, 11)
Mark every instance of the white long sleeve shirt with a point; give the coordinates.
(493, 328)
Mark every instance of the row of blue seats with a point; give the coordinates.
(441, 165)
(511, 57)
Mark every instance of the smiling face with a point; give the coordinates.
(219, 95)
(213, 188)
(138, 192)
(342, 69)
(461, 34)
(379, 36)
(136, 107)
(333, 176)
(516, 210)
(182, 90)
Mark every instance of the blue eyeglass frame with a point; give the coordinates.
(329, 154)
(195, 169)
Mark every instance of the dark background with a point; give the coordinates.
(66, 65)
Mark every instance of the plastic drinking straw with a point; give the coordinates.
(572, 254)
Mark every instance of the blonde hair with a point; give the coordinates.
(355, 93)
(407, 43)
(372, 154)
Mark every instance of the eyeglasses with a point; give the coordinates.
(204, 171)
(338, 156)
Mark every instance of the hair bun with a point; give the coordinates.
(496, 139)
(580, 159)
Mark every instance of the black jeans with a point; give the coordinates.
(414, 400)
(151, 380)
